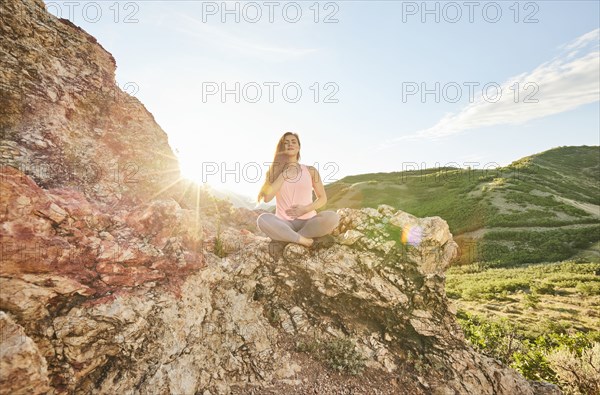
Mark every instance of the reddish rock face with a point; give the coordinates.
(64, 121)
(61, 232)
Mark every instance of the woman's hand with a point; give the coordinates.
(296, 211)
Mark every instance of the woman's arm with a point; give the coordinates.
(270, 190)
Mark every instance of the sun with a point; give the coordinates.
(190, 169)
(221, 168)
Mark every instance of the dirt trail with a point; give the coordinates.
(587, 207)
(480, 232)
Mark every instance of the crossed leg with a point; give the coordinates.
(279, 229)
(320, 225)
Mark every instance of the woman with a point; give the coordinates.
(291, 183)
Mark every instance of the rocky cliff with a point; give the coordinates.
(117, 287)
(63, 119)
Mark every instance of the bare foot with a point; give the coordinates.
(305, 241)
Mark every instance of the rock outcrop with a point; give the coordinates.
(117, 288)
(160, 299)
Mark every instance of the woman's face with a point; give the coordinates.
(291, 147)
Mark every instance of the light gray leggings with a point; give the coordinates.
(283, 230)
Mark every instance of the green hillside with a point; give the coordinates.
(541, 208)
(526, 285)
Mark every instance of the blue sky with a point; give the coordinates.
(374, 52)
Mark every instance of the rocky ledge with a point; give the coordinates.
(161, 299)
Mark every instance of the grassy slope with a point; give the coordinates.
(542, 208)
(513, 224)
(565, 294)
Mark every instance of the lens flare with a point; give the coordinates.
(412, 235)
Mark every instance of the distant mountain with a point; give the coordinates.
(237, 199)
(544, 207)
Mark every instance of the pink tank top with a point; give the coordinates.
(295, 190)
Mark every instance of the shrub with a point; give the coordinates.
(588, 288)
(544, 287)
(532, 363)
(307, 346)
(341, 354)
(219, 246)
(568, 359)
(578, 374)
(498, 339)
(531, 300)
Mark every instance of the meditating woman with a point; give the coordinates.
(291, 183)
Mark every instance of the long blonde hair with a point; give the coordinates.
(280, 159)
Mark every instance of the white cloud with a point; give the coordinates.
(569, 80)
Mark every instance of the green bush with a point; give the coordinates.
(568, 359)
(498, 339)
(534, 246)
(588, 288)
(578, 373)
(532, 363)
(472, 283)
(219, 248)
(531, 300)
(339, 354)
(307, 346)
(542, 287)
